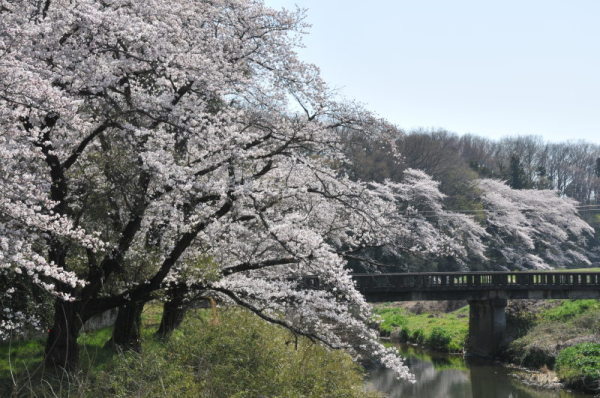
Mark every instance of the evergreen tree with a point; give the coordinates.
(517, 178)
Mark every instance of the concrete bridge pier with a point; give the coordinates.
(487, 327)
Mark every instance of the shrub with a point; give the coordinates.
(532, 356)
(404, 335)
(239, 356)
(578, 366)
(439, 339)
(153, 373)
(418, 336)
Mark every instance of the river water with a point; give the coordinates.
(449, 376)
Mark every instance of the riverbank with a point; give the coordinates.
(541, 378)
(425, 325)
(538, 332)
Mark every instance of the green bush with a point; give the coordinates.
(153, 373)
(404, 335)
(531, 355)
(579, 366)
(439, 339)
(239, 356)
(418, 336)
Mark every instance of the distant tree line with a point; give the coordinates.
(524, 162)
(528, 162)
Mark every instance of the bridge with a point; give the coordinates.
(486, 292)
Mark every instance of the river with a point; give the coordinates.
(450, 376)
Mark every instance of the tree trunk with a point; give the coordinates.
(173, 313)
(61, 346)
(126, 332)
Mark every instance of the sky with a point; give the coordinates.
(492, 68)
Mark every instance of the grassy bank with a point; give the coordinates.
(564, 338)
(232, 355)
(444, 332)
(568, 323)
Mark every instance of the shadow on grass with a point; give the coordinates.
(93, 354)
(21, 362)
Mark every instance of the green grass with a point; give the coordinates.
(391, 318)
(24, 359)
(570, 309)
(232, 354)
(18, 357)
(442, 332)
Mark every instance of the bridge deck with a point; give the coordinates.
(478, 285)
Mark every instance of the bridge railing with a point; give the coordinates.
(475, 280)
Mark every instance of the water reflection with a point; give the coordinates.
(440, 376)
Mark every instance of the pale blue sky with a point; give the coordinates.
(493, 68)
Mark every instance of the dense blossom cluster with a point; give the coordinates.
(27, 217)
(534, 228)
(137, 137)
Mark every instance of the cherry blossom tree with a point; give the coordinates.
(139, 137)
(534, 229)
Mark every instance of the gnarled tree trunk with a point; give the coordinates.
(173, 313)
(61, 346)
(126, 332)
